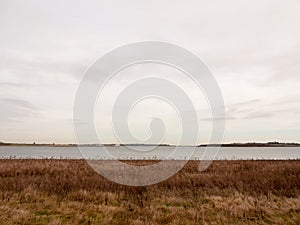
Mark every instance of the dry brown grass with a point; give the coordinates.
(228, 192)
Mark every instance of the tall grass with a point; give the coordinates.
(228, 192)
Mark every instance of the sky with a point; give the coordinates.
(251, 47)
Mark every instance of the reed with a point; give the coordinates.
(229, 192)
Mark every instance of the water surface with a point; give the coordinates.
(161, 152)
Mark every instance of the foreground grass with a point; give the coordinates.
(228, 192)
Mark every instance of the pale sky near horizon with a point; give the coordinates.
(251, 47)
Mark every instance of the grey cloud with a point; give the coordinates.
(243, 110)
(16, 109)
(286, 104)
(10, 84)
(240, 109)
(258, 115)
(228, 117)
(20, 103)
(257, 108)
(41, 65)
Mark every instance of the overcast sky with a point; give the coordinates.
(251, 47)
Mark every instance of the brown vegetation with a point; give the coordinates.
(228, 192)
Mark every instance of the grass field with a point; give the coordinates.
(228, 192)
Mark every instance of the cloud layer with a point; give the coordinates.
(251, 47)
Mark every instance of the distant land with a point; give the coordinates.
(248, 144)
(257, 144)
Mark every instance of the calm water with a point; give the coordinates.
(122, 152)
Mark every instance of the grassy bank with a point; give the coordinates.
(228, 192)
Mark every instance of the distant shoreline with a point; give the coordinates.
(252, 144)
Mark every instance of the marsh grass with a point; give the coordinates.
(228, 192)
